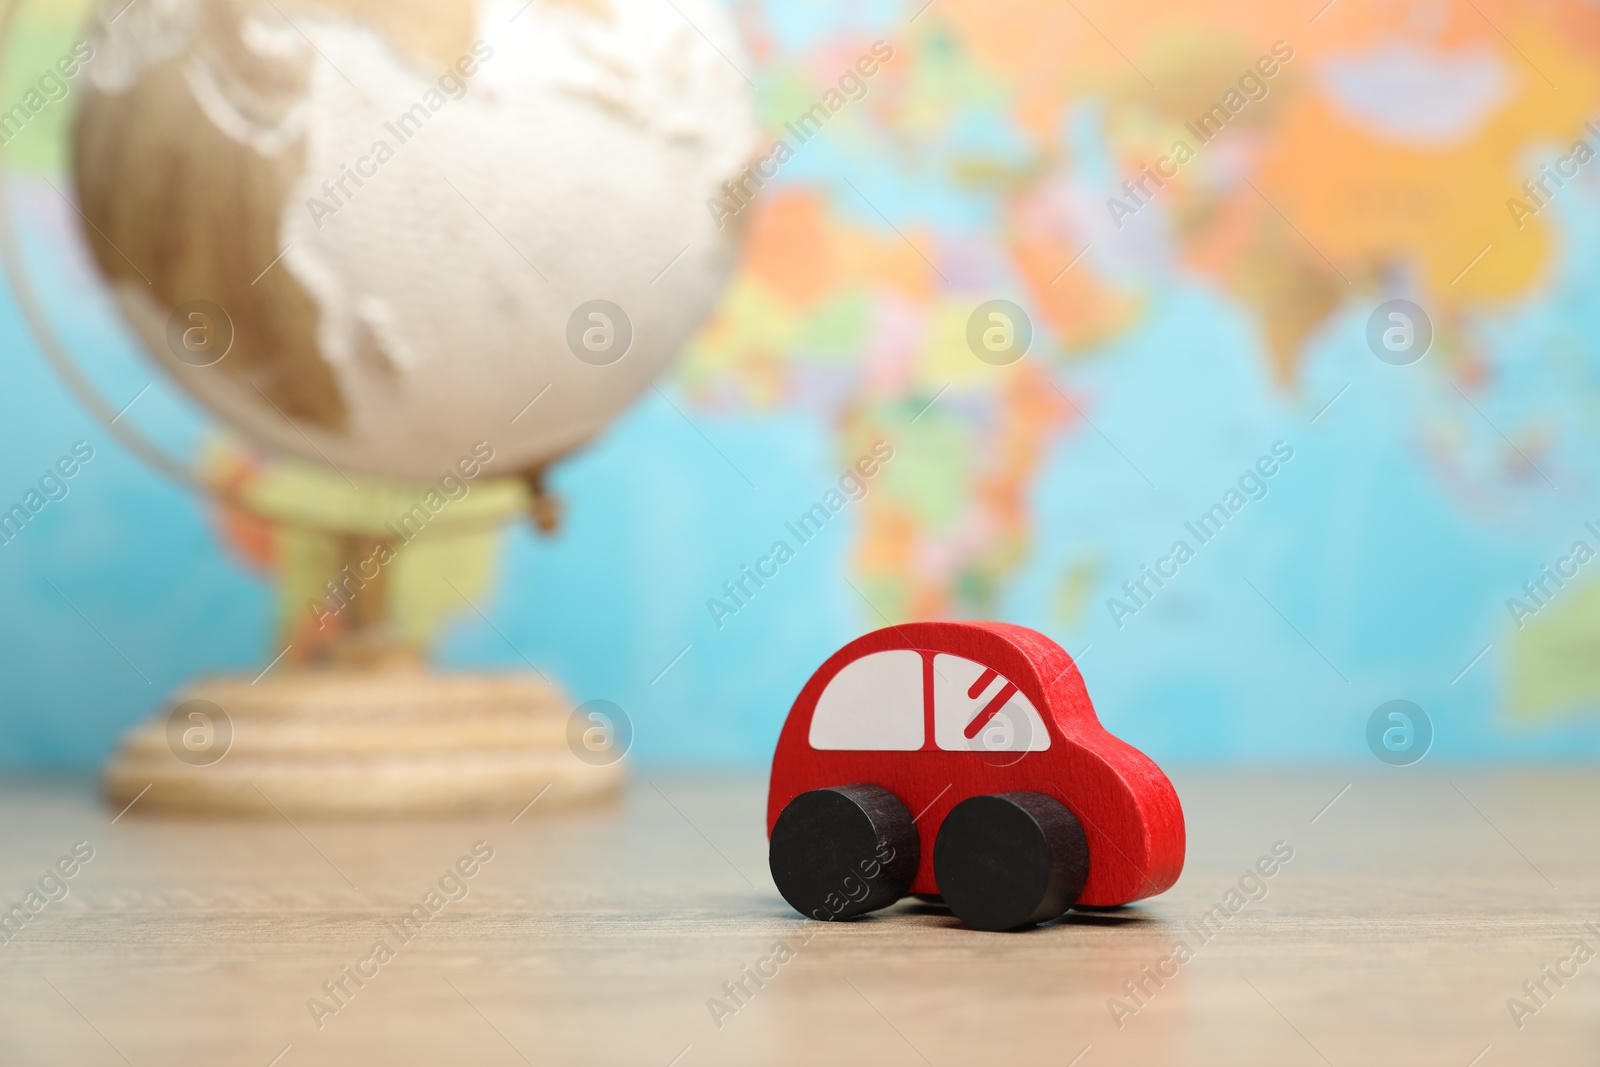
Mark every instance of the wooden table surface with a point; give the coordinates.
(1413, 908)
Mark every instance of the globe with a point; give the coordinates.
(405, 249)
(373, 235)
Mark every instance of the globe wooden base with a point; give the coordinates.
(358, 742)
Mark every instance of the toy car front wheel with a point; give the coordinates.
(1010, 860)
(844, 851)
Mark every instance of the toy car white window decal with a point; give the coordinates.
(875, 703)
(976, 709)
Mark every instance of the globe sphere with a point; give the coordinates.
(372, 233)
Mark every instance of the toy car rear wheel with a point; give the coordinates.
(1010, 860)
(844, 851)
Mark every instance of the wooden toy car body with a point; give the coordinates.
(939, 712)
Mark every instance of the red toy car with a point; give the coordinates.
(963, 760)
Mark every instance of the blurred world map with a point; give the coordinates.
(1189, 332)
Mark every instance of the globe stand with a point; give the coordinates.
(349, 720)
(363, 742)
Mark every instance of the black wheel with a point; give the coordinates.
(1010, 860)
(844, 851)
